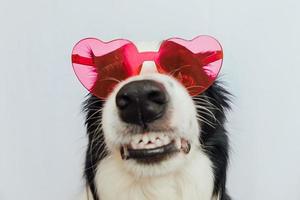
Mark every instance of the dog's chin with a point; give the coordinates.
(156, 166)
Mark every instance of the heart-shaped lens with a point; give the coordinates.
(100, 66)
(194, 63)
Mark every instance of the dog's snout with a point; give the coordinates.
(141, 102)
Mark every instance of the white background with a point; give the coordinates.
(42, 137)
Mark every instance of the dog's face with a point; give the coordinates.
(150, 123)
(150, 126)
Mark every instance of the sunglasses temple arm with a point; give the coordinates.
(216, 55)
(77, 59)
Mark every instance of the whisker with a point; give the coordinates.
(205, 109)
(111, 79)
(89, 104)
(194, 86)
(97, 119)
(205, 121)
(98, 135)
(104, 150)
(95, 113)
(178, 69)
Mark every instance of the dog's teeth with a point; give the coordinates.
(136, 139)
(178, 143)
(124, 153)
(185, 146)
(158, 143)
(133, 145)
(145, 139)
(166, 140)
(160, 136)
(152, 138)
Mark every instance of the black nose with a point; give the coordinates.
(141, 102)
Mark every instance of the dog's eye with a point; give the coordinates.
(101, 66)
(187, 81)
(195, 70)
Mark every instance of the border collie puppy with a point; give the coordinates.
(176, 148)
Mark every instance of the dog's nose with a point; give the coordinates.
(141, 102)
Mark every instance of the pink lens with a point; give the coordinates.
(100, 66)
(195, 63)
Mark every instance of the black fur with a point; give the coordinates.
(213, 136)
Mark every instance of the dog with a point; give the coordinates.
(150, 140)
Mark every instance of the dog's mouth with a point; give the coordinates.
(151, 148)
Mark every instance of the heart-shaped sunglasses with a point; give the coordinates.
(101, 65)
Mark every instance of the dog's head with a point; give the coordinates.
(152, 125)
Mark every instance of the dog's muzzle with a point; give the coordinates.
(141, 103)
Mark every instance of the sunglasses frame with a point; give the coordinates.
(94, 48)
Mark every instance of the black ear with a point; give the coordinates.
(96, 150)
(213, 137)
